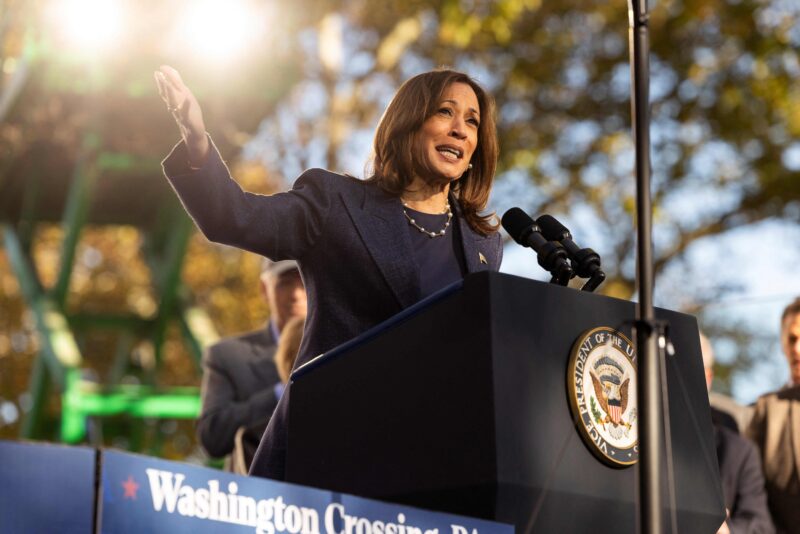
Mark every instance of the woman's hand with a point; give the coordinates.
(186, 112)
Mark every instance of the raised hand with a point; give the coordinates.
(186, 111)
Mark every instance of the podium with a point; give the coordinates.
(461, 404)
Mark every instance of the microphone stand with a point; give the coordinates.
(651, 445)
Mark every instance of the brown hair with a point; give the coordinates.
(288, 346)
(395, 154)
(790, 310)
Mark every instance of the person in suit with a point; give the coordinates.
(367, 249)
(739, 468)
(725, 414)
(241, 384)
(775, 428)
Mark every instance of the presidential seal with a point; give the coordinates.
(602, 392)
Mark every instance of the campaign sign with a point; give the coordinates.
(143, 494)
(46, 488)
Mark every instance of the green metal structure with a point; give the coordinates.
(93, 131)
(45, 185)
(59, 365)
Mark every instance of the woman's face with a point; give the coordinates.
(448, 138)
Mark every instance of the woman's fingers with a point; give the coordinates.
(161, 85)
(172, 76)
(171, 88)
(185, 110)
(167, 92)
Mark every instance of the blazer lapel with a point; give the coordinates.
(383, 228)
(473, 244)
(794, 425)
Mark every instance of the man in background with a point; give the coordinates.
(776, 430)
(241, 386)
(725, 411)
(739, 468)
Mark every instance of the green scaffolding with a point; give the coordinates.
(58, 368)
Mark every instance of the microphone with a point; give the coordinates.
(585, 261)
(551, 255)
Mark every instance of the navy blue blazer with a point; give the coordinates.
(350, 239)
(742, 482)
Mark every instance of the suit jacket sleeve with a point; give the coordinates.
(222, 413)
(757, 432)
(751, 512)
(279, 226)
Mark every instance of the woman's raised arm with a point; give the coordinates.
(280, 226)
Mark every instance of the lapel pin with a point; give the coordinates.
(482, 258)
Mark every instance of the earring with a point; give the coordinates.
(469, 166)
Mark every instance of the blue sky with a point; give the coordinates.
(762, 259)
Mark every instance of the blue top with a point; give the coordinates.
(440, 259)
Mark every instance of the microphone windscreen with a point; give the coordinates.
(517, 223)
(551, 229)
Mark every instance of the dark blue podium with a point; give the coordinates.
(461, 405)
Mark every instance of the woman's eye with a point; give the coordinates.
(476, 122)
(445, 111)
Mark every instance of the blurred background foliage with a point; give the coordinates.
(303, 84)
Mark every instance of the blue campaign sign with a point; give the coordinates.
(143, 494)
(46, 488)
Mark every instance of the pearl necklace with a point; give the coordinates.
(425, 231)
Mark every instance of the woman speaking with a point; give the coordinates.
(367, 249)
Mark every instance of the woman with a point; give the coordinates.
(366, 249)
(289, 346)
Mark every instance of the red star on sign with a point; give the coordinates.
(130, 487)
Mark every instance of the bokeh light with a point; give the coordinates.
(94, 26)
(222, 31)
(331, 50)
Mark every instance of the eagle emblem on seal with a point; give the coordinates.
(611, 389)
